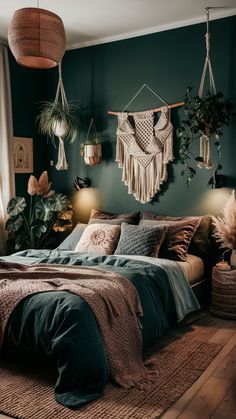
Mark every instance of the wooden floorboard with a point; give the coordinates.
(213, 395)
(220, 401)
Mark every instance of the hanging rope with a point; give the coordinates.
(139, 91)
(61, 95)
(207, 65)
(205, 151)
(92, 127)
(61, 91)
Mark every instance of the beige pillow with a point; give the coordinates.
(99, 238)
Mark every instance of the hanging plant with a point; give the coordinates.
(59, 118)
(205, 119)
(91, 149)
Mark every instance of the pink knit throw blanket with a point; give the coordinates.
(112, 298)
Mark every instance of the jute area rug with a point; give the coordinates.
(29, 394)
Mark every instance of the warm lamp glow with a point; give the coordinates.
(36, 38)
(213, 201)
(83, 201)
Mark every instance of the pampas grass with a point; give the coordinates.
(225, 227)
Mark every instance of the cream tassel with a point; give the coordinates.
(205, 152)
(62, 163)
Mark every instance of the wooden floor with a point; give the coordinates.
(213, 395)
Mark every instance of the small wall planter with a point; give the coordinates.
(92, 154)
(91, 149)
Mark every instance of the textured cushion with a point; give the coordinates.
(99, 238)
(178, 236)
(71, 241)
(130, 218)
(200, 244)
(140, 240)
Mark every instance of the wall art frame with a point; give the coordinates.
(23, 154)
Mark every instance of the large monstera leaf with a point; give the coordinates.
(13, 224)
(57, 202)
(16, 206)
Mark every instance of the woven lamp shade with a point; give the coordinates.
(36, 38)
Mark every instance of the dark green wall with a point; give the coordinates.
(28, 88)
(105, 77)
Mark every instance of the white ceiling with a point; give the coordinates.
(90, 22)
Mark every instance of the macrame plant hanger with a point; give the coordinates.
(205, 138)
(61, 128)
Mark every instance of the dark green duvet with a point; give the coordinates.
(62, 325)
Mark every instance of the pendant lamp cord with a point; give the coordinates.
(207, 65)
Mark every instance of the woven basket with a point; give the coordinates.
(36, 38)
(224, 293)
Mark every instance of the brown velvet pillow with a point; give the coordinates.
(99, 238)
(178, 236)
(109, 218)
(200, 244)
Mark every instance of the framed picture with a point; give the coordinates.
(23, 155)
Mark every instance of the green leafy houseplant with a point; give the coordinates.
(59, 118)
(205, 116)
(33, 220)
(52, 113)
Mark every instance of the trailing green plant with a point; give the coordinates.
(32, 220)
(51, 112)
(204, 116)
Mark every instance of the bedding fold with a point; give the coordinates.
(63, 326)
(112, 298)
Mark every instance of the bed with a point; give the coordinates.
(65, 327)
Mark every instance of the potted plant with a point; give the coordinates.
(91, 149)
(225, 228)
(56, 119)
(32, 220)
(59, 118)
(205, 119)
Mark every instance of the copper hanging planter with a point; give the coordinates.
(36, 38)
(91, 149)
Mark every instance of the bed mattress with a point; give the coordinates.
(193, 269)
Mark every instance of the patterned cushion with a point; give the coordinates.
(99, 238)
(140, 240)
(71, 241)
(109, 218)
(178, 236)
(200, 244)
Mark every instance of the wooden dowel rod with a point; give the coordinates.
(173, 105)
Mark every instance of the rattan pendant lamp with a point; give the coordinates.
(36, 37)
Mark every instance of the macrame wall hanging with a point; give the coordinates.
(144, 148)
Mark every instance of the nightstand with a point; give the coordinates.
(223, 303)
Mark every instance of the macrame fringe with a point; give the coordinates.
(62, 162)
(144, 152)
